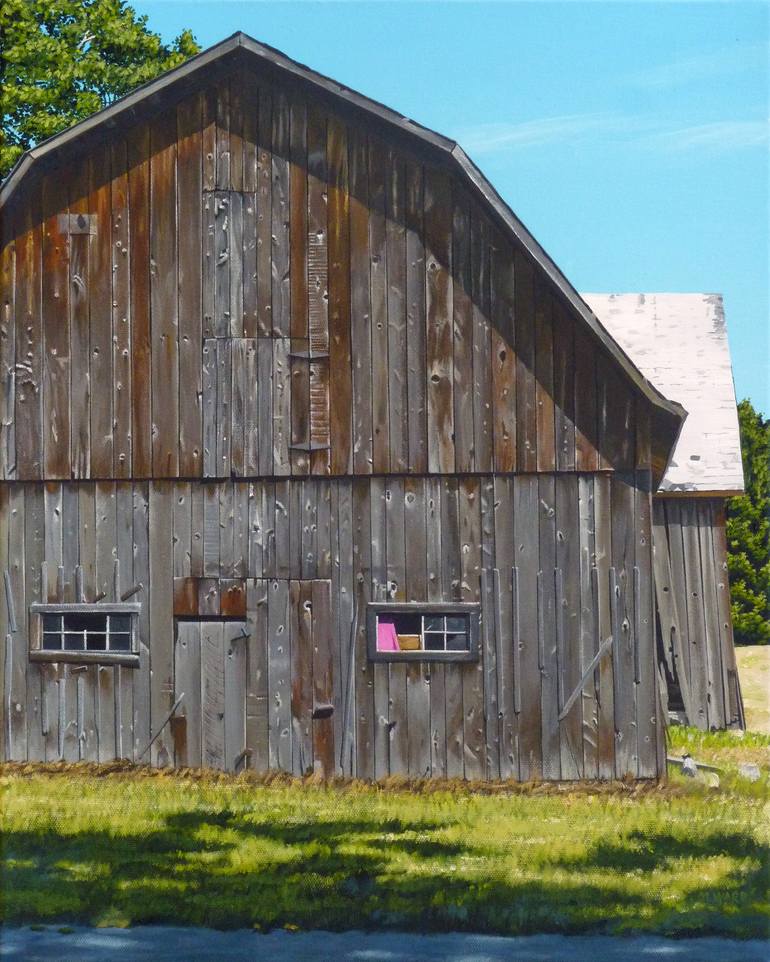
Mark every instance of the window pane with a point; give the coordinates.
(96, 641)
(434, 642)
(457, 642)
(120, 623)
(51, 622)
(434, 622)
(457, 623)
(73, 641)
(52, 642)
(75, 621)
(120, 642)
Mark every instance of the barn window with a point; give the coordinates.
(102, 634)
(434, 632)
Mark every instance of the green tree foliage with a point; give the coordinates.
(65, 59)
(748, 533)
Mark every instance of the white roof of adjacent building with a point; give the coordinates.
(679, 342)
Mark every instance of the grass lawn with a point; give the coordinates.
(754, 671)
(131, 847)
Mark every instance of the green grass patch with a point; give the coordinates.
(124, 849)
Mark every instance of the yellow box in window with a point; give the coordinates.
(409, 642)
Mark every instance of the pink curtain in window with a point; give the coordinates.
(387, 638)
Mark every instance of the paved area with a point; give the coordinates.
(167, 944)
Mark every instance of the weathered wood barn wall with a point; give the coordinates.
(268, 355)
(679, 341)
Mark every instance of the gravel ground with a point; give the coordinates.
(168, 944)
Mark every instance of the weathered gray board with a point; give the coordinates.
(693, 601)
(301, 558)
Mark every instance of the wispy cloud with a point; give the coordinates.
(637, 131)
(726, 135)
(494, 137)
(701, 66)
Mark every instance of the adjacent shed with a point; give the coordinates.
(679, 341)
(311, 458)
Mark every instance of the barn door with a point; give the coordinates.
(210, 673)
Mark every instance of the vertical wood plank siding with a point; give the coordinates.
(245, 213)
(258, 362)
(420, 538)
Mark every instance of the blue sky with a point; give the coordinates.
(632, 139)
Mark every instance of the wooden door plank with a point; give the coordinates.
(188, 682)
(235, 667)
(212, 695)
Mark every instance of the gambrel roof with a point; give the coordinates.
(242, 49)
(679, 342)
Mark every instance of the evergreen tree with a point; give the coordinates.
(65, 59)
(748, 533)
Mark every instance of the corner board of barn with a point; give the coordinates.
(311, 459)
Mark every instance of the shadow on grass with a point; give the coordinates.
(225, 869)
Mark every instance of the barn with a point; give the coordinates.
(311, 459)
